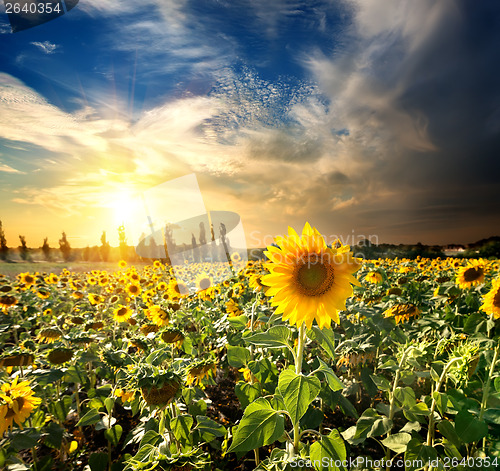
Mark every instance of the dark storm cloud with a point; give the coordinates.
(419, 94)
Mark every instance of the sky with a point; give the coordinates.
(373, 119)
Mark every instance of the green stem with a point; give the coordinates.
(430, 431)
(78, 407)
(300, 349)
(298, 370)
(392, 397)
(486, 390)
(256, 454)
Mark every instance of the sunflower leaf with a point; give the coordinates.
(298, 392)
(331, 378)
(325, 338)
(261, 425)
(276, 337)
(331, 449)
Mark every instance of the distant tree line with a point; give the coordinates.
(201, 250)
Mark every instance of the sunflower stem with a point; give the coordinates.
(298, 370)
(430, 431)
(300, 348)
(256, 454)
(392, 399)
(486, 393)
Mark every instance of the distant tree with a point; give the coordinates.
(86, 254)
(46, 249)
(122, 239)
(104, 248)
(64, 247)
(24, 251)
(4, 250)
(168, 242)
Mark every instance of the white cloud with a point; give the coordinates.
(8, 169)
(47, 47)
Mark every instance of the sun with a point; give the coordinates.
(123, 206)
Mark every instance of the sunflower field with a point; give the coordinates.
(312, 359)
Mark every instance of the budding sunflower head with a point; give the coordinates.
(50, 334)
(18, 359)
(172, 335)
(7, 301)
(160, 389)
(58, 356)
(402, 312)
(200, 370)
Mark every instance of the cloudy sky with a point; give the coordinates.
(366, 118)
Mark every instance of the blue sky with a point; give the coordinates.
(364, 118)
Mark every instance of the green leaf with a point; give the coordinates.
(406, 397)
(370, 387)
(385, 409)
(113, 434)
(198, 408)
(276, 337)
(53, 435)
(418, 412)
(370, 424)
(38, 419)
(474, 323)
(447, 430)
(381, 382)
(247, 393)
(418, 455)
(497, 383)
(397, 442)
(311, 419)
(411, 427)
(24, 439)
(325, 338)
(238, 322)
(61, 408)
(261, 425)
(151, 437)
(188, 394)
(106, 422)
(469, 428)
(331, 378)
(146, 454)
(90, 418)
(75, 375)
(98, 461)
(442, 401)
(109, 403)
(337, 398)
(237, 356)
(492, 416)
(181, 426)
(298, 391)
(209, 429)
(332, 449)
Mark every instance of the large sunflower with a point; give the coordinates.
(491, 304)
(157, 315)
(16, 404)
(308, 280)
(122, 313)
(471, 275)
(204, 281)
